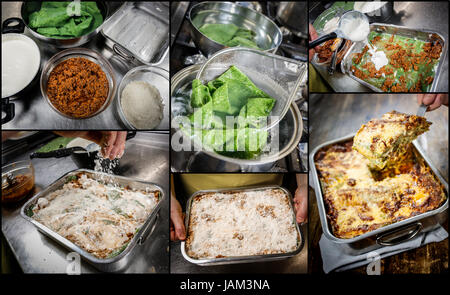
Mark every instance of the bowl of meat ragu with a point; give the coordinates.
(78, 83)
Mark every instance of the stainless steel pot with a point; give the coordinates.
(293, 16)
(206, 161)
(389, 235)
(268, 35)
(28, 7)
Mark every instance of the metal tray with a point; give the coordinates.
(420, 34)
(139, 30)
(242, 259)
(108, 264)
(384, 236)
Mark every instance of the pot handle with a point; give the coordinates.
(9, 109)
(7, 28)
(400, 235)
(322, 39)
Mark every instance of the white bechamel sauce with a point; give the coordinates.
(368, 6)
(354, 29)
(20, 63)
(378, 57)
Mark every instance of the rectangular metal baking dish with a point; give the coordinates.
(420, 34)
(139, 30)
(385, 236)
(241, 259)
(109, 264)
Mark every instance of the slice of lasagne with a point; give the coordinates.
(241, 223)
(383, 141)
(357, 201)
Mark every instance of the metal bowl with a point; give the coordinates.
(155, 76)
(206, 161)
(87, 54)
(268, 35)
(28, 7)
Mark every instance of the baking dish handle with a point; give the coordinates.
(406, 233)
(120, 52)
(147, 231)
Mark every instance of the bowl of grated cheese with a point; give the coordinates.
(143, 96)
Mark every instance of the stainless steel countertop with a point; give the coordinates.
(146, 157)
(296, 264)
(337, 115)
(34, 112)
(426, 15)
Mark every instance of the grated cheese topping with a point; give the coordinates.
(100, 218)
(241, 224)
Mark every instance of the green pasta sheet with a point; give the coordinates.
(412, 76)
(200, 94)
(229, 112)
(255, 112)
(229, 35)
(243, 143)
(221, 33)
(55, 20)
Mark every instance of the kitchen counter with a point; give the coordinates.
(146, 157)
(427, 15)
(337, 115)
(33, 111)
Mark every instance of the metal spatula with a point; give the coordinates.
(422, 110)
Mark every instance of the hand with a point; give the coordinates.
(312, 36)
(433, 101)
(301, 198)
(112, 143)
(177, 229)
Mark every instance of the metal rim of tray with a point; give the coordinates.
(376, 89)
(124, 52)
(248, 258)
(72, 246)
(382, 230)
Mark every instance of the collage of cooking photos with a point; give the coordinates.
(262, 142)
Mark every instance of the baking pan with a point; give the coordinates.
(384, 236)
(420, 34)
(108, 264)
(139, 30)
(242, 259)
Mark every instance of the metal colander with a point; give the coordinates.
(278, 76)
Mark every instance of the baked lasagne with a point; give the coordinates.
(358, 200)
(100, 218)
(241, 223)
(383, 141)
